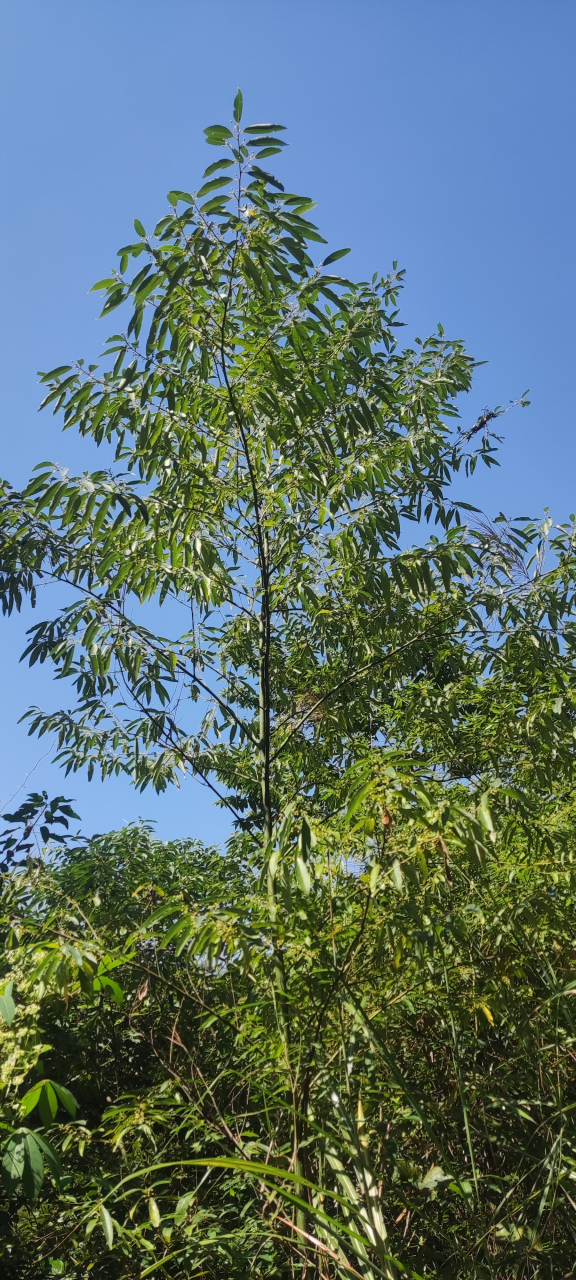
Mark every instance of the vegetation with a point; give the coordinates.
(343, 1047)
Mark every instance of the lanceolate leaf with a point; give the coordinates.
(107, 1226)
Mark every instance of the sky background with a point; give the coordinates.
(440, 133)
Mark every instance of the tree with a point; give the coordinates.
(267, 451)
(392, 728)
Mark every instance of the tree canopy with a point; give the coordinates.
(344, 1046)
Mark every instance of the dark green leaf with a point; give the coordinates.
(264, 128)
(66, 1098)
(47, 1104)
(224, 163)
(333, 257)
(217, 135)
(174, 196)
(33, 1171)
(212, 186)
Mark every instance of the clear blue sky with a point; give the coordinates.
(438, 132)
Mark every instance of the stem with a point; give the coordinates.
(264, 691)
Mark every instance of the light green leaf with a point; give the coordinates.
(107, 283)
(117, 991)
(303, 875)
(396, 874)
(434, 1178)
(107, 1226)
(359, 798)
(7, 1005)
(13, 1164)
(483, 814)
(28, 1102)
(374, 876)
(181, 1211)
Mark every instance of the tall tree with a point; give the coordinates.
(270, 439)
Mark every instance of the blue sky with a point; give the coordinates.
(437, 132)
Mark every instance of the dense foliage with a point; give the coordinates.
(426, 1074)
(345, 1045)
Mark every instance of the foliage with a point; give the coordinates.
(267, 451)
(343, 1047)
(39, 816)
(427, 1072)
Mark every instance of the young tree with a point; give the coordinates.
(269, 439)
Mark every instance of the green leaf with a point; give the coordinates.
(332, 257)
(211, 186)
(303, 875)
(47, 1104)
(217, 135)
(267, 151)
(107, 1226)
(265, 128)
(174, 196)
(66, 1098)
(33, 1171)
(138, 227)
(396, 874)
(107, 283)
(154, 1213)
(47, 377)
(182, 1207)
(268, 142)
(484, 816)
(30, 1099)
(224, 163)
(50, 1155)
(23, 1162)
(13, 1164)
(117, 991)
(217, 204)
(434, 1178)
(7, 1006)
(359, 798)
(238, 101)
